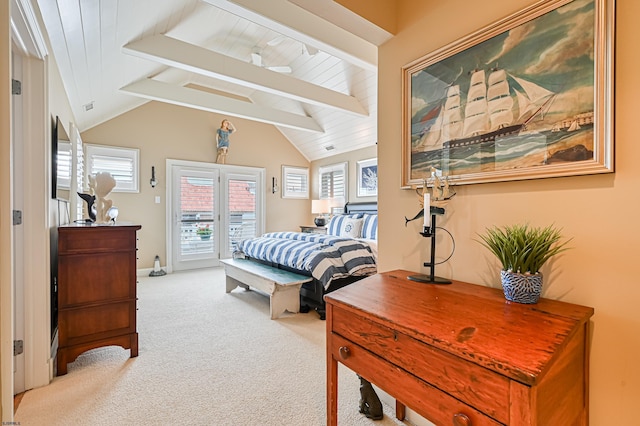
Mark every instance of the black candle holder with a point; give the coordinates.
(430, 232)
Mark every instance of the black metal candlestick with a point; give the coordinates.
(430, 232)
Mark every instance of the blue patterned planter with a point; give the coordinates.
(521, 288)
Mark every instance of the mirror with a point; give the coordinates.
(60, 162)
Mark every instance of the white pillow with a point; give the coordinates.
(351, 227)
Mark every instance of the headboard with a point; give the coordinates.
(367, 207)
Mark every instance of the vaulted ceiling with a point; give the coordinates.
(308, 67)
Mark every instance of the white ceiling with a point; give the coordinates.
(115, 55)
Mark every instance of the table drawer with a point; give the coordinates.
(475, 385)
(430, 402)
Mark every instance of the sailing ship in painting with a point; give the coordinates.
(492, 124)
(488, 112)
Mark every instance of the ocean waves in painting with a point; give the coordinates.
(516, 151)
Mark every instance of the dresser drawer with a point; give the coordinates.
(99, 321)
(95, 239)
(475, 385)
(89, 279)
(428, 401)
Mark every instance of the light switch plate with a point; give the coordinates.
(157, 199)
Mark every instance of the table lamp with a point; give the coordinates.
(320, 207)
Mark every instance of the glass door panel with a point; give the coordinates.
(196, 225)
(241, 209)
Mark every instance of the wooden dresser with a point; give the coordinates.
(461, 354)
(96, 289)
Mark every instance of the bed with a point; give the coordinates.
(346, 254)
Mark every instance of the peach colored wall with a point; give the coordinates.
(599, 211)
(384, 14)
(164, 131)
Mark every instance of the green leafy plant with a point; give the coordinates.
(521, 248)
(204, 230)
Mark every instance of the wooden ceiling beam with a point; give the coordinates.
(189, 57)
(198, 99)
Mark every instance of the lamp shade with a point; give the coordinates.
(320, 206)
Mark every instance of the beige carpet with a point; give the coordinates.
(205, 358)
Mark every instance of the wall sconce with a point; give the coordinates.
(153, 180)
(274, 185)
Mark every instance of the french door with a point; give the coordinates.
(196, 207)
(212, 208)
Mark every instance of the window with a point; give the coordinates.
(333, 181)
(64, 165)
(122, 163)
(78, 171)
(295, 182)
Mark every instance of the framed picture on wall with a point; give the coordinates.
(367, 175)
(529, 96)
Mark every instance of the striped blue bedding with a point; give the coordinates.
(326, 257)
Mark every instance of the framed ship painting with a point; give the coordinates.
(527, 97)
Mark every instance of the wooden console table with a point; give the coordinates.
(461, 354)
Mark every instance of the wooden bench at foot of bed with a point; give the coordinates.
(282, 286)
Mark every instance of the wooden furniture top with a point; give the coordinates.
(472, 322)
(91, 238)
(85, 225)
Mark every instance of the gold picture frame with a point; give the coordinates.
(527, 97)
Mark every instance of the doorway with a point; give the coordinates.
(17, 118)
(211, 208)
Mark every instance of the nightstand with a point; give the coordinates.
(313, 229)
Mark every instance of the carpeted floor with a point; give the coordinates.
(205, 358)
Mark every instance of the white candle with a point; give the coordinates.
(427, 208)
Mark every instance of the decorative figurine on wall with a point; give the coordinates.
(101, 185)
(222, 140)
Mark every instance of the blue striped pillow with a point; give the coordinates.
(370, 227)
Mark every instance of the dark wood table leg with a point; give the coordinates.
(400, 410)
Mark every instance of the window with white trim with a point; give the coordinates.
(295, 182)
(64, 163)
(77, 161)
(122, 163)
(333, 181)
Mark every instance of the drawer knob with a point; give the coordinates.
(344, 352)
(460, 419)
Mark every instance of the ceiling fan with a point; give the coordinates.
(306, 49)
(256, 59)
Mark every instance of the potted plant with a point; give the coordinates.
(204, 232)
(522, 250)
